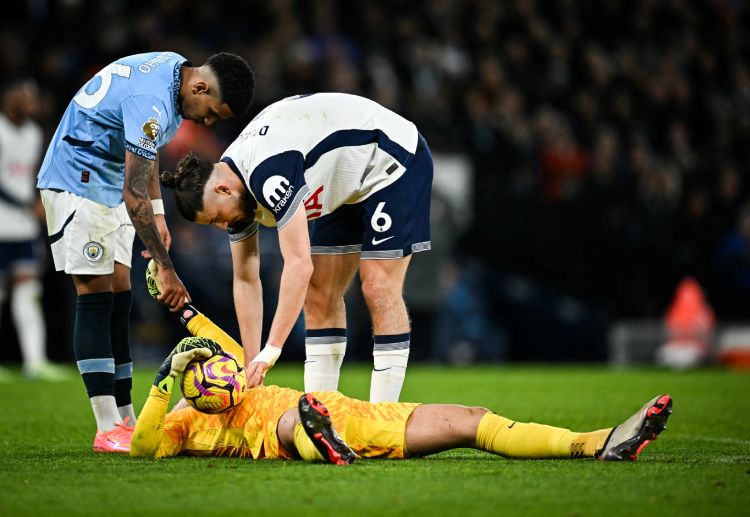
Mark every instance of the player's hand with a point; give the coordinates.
(256, 370)
(187, 344)
(172, 290)
(181, 360)
(256, 373)
(166, 237)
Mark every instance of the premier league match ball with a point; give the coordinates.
(214, 385)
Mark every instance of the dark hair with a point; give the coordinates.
(189, 182)
(236, 81)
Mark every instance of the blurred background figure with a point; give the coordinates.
(20, 215)
(690, 324)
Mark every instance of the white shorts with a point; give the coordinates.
(87, 238)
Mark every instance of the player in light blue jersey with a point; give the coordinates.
(99, 185)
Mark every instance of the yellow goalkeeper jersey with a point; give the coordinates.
(249, 430)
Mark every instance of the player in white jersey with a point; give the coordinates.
(364, 175)
(20, 151)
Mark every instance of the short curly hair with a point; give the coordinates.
(236, 81)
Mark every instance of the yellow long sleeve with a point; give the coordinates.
(149, 429)
(201, 326)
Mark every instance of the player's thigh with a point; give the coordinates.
(124, 237)
(85, 239)
(121, 278)
(332, 274)
(438, 427)
(372, 430)
(335, 242)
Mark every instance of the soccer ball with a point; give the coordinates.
(214, 385)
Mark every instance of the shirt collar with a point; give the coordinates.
(176, 85)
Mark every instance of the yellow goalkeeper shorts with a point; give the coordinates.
(373, 430)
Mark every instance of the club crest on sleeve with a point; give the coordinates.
(93, 251)
(151, 128)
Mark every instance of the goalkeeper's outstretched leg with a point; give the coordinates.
(434, 428)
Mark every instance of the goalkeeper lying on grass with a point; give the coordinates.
(274, 422)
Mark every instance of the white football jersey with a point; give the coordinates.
(324, 150)
(20, 150)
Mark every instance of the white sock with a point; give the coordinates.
(325, 350)
(389, 370)
(390, 356)
(105, 412)
(29, 322)
(127, 411)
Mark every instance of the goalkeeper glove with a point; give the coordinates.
(186, 345)
(187, 312)
(177, 365)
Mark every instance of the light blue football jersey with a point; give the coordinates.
(131, 104)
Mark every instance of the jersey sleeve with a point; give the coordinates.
(154, 435)
(145, 122)
(278, 184)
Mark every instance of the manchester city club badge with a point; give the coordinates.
(93, 251)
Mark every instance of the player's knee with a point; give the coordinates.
(476, 412)
(320, 301)
(379, 293)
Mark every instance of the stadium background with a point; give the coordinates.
(590, 154)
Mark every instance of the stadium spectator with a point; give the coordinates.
(667, 82)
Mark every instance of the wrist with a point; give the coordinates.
(187, 313)
(157, 205)
(269, 355)
(165, 384)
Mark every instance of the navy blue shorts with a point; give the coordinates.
(17, 256)
(392, 223)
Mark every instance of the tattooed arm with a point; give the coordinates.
(138, 175)
(154, 192)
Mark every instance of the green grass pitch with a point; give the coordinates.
(699, 466)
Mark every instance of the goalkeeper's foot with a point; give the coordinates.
(317, 424)
(627, 440)
(116, 440)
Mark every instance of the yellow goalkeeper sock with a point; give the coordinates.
(511, 439)
(199, 325)
(305, 446)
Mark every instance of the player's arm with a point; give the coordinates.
(148, 436)
(138, 174)
(294, 242)
(200, 326)
(149, 439)
(157, 204)
(196, 323)
(248, 293)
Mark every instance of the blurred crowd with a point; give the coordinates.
(609, 139)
